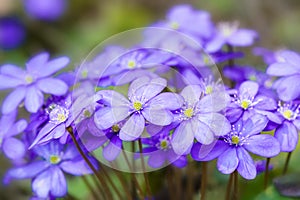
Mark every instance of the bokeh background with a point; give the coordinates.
(75, 27)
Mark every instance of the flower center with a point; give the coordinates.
(288, 114)
(235, 139)
(58, 115)
(174, 25)
(209, 89)
(29, 79)
(54, 159)
(245, 104)
(87, 114)
(189, 112)
(131, 64)
(164, 144)
(115, 128)
(137, 105)
(84, 73)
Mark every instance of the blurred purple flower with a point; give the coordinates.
(48, 10)
(228, 33)
(232, 149)
(199, 118)
(12, 33)
(47, 175)
(145, 103)
(12, 147)
(261, 166)
(31, 84)
(288, 68)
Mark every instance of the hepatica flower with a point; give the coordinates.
(287, 132)
(288, 68)
(47, 173)
(144, 103)
(232, 149)
(59, 113)
(229, 33)
(30, 84)
(199, 118)
(12, 147)
(246, 102)
(160, 150)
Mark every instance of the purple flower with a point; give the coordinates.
(232, 149)
(199, 118)
(287, 132)
(48, 10)
(144, 104)
(185, 19)
(160, 150)
(47, 175)
(261, 166)
(12, 33)
(247, 102)
(59, 118)
(269, 56)
(228, 33)
(288, 67)
(31, 84)
(13, 148)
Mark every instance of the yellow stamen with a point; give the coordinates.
(174, 25)
(29, 79)
(61, 117)
(189, 112)
(288, 114)
(115, 128)
(209, 90)
(245, 104)
(164, 144)
(131, 64)
(235, 139)
(54, 159)
(137, 105)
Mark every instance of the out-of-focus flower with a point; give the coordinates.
(12, 147)
(48, 10)
(288, 68)
(47, 175)
(12, 33)
(229, 33)
(30, 84)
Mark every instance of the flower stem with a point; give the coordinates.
(148, 188)
(235, 185)
(228, 189)
(203, 180)
(267, 173)
(88, 162)
(286, 164)
(89, 186)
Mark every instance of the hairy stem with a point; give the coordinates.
(235, 185)
(228, 189)
(148, 188)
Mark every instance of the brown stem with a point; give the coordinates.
(104, 185)
(148, 188)
(228, 189)
(235, 185)
(267, 173)
(286, 164)
(203, 180)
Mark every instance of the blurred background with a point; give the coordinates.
(74, 27)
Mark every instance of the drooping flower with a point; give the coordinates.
(288, 69)
(31, 84)
(145, 103)
(12, 147)
(247, 102)
(287, 132)
(232, 149)
(47, 172)
(229, 33)
(199, 118)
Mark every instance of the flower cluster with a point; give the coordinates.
(162, 94)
